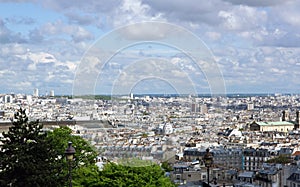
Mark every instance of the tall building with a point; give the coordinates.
(52, 93)
(36, 92)
(195, 107)
(203, 109)
(8, 99)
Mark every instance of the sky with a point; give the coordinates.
(250, 46)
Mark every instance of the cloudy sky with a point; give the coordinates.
(44, 44)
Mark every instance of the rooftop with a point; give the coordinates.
(275, 123)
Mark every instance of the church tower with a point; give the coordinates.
(284, 116)
(297, 122)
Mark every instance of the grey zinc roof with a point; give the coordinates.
(246, 174)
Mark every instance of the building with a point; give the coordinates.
(294, 179)
(52, 93)
(203, 109)
(167, 128)
(278, 126)
(225, 158)
(228, 158)
(269, 175)
(195, 108)
(250, 106)
(190, 154)
(253, 159)
(36, 92)
(183, 173)
(8, 99)
(246, 177)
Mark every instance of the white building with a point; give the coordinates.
(8, 99)
(36, 92)
(167, 128)
(52, 93)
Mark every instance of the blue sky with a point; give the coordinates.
(255, 44)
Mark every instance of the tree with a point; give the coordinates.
(281, 159)
(166, 166)
(26, 157)
(31, 157)
(115, 175)
(120, 175)
(84, 158)
(86, 176)
(85, 153)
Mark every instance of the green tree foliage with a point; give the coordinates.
(86, 176)
(31, 157)
(85, 153)
(115, 175)
(26, 157)
(166, 166)
(281, 159)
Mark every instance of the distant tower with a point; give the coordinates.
(52, 93)
(203, 109)
(36, 92)
(195, 108)
(285, 116)
(297, 122)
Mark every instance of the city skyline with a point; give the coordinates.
(255, 45)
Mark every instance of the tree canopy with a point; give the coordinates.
(85, 153)
(118, 175)
(281, 159)
(26, 157)
(29, 156)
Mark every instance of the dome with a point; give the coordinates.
(168, 128)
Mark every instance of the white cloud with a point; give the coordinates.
(213, 35)
(23, 85)
(278, 71)
(132, 11)
(146, 32)
(4, 73)
(251, 40)
(13, 49)
(258, 3)
(243, 18)
(59, 29)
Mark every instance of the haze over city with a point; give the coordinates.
(254, 43)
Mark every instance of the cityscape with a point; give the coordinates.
(244, 133)
(139, 93)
